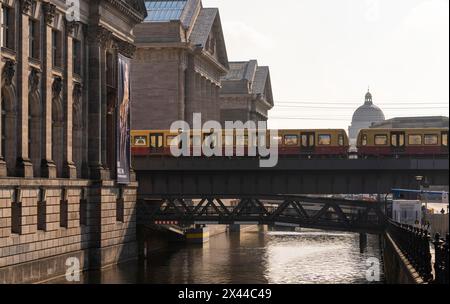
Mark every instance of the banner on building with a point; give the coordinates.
(123, 121)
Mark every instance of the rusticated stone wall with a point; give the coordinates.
(93, 222)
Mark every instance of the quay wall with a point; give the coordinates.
(45, 222)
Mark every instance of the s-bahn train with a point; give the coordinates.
(311, 143)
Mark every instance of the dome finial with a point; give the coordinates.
(368, 100)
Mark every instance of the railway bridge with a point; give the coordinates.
(160, 177)
(296, 193)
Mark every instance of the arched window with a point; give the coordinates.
(35, 124)
(9, 128)
(58, 127)
(77, 129)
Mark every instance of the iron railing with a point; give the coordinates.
(415, 245)
(441, 259)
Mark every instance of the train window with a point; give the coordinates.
(324, 139)
(140, 141)
(254, 139)
(304, 140)
(430, 139)
(364, 140)
(291, 140)
(196, 140)
(308, 140)
(210, 140)
(445, 139)
(240, 140)
(415, 139)
(229, 140)
(381, 140)
(171, 140)
(263, 140)
(278, 139)
(341, 140)
(394, 140)
(156, 141)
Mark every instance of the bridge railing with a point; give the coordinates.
(441, 259)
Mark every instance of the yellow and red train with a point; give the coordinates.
(311, 143)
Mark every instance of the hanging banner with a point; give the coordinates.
(123, 122)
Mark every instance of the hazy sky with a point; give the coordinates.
(325, 53)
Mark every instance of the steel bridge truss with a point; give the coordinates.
(294, 211)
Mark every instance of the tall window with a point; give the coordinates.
(56, 48)
(76, 53)
(8, 28)
(35, 36)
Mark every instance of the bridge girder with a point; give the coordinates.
(306, 212)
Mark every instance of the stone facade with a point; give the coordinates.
(246, 93)
(177, 68)
(413, 122)
(58, 194)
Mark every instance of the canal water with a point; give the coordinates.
(309, 256)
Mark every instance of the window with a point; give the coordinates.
(196, 141)
(445, 139)
(140, 141)
(111, 70)
(308, 140)
(229, 140)
(56, 48)
(171, 140)
(8, 28)
(35, 37)
(364, 140)
(76, 53)
(341, 140)
(324, 139)
(381, 140)
(120, 207)
(431, 139)
(242, 140)
(415, 139)
(291, 140)
(16, 217)
(156, 141)
(278, 139)
(64, 210)
(164, 10)
(42, 211)
(210, 140)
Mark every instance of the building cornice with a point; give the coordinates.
(135, 9)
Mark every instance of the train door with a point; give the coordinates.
(156, 143)
(308, 142)
(444, 141)
(397, 142)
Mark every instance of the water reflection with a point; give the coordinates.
(252, 257)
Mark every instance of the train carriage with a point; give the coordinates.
(307, 143)
(417, 142)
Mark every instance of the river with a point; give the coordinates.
(309, 256)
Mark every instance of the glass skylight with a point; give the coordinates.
(164, 10)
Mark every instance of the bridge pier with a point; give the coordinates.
(234, 228)
(362, 242)
(198, 235)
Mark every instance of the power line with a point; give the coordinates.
(347, 107)
(359, 102)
